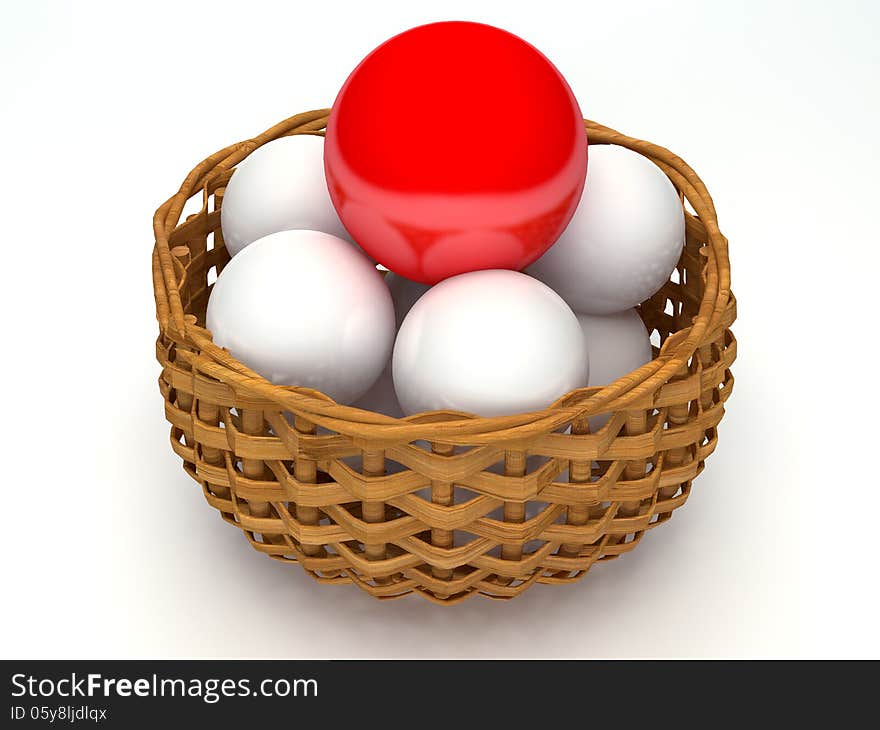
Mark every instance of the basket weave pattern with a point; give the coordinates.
(444, 504)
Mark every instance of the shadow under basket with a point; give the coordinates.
(442, 504)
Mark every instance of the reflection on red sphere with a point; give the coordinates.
(454, 147)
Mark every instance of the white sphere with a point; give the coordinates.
(624, 240)
(617, 344)
(305, 308)
(277, 187)
(405, 293)
(491, 343)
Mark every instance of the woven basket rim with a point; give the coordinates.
(633, 390)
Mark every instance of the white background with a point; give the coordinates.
(108, 548)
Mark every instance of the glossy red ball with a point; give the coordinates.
(454, 147)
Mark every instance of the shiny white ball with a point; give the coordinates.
(490, 343)
(277, 187)
(617, 344)
(305, 308)
(624, 240)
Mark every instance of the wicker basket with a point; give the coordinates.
(443, 504)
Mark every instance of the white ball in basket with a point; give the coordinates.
(491, 343)
(305, 308)
(617, 344)
(277, 187)
(624, 240)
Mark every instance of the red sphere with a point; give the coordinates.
(455, 147)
